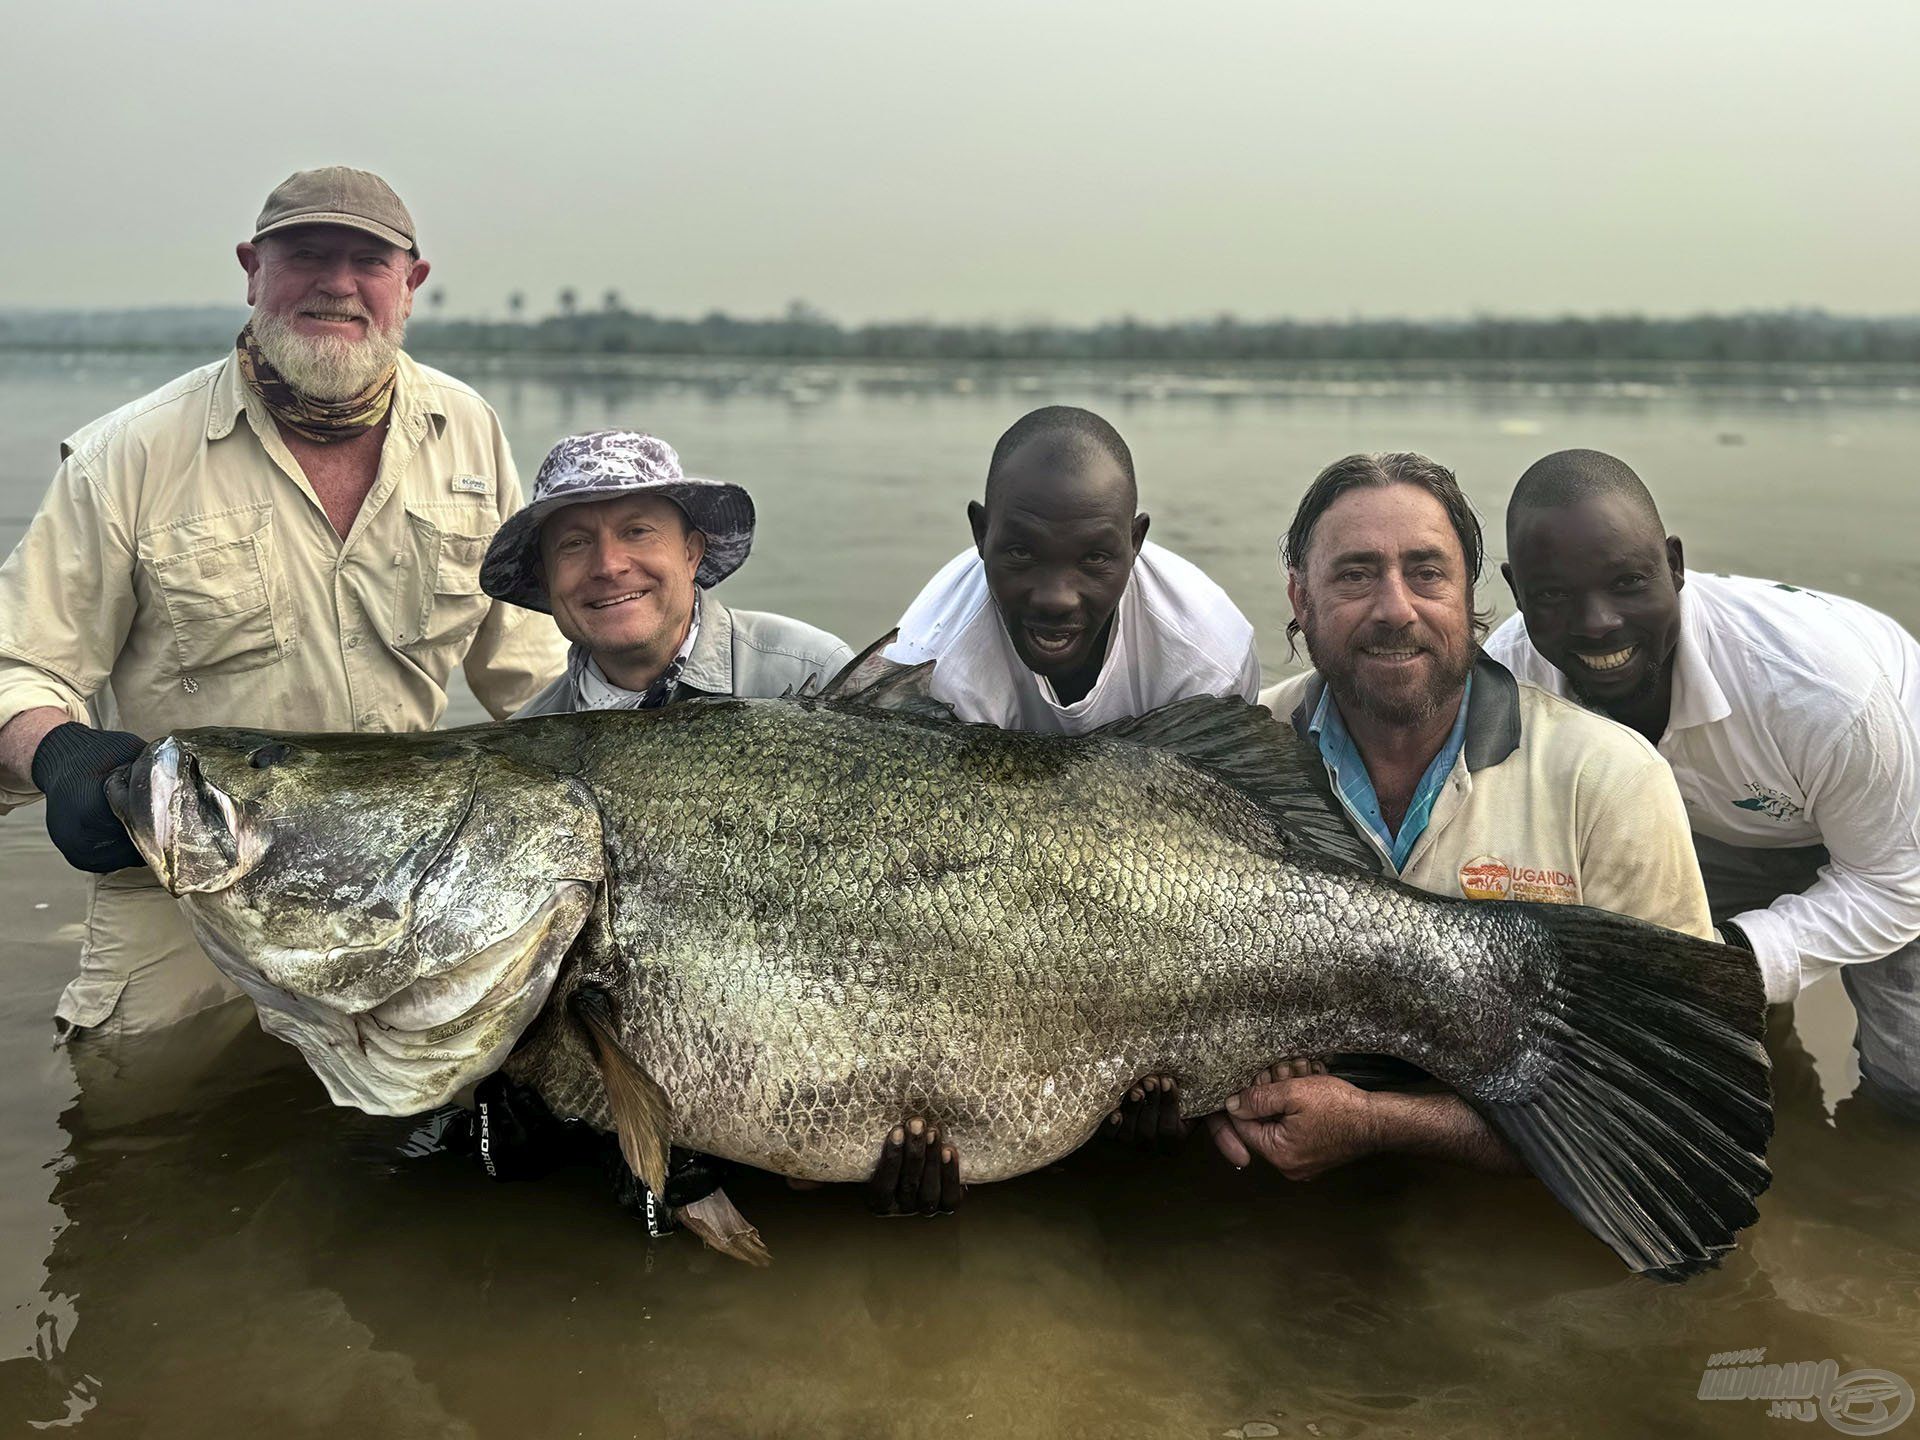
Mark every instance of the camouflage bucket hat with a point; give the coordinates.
(604, 465)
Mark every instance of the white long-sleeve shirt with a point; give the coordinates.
(1175, 634)
(1795, 721)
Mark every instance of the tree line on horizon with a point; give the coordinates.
(1796, 336)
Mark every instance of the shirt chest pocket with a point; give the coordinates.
(219, 583)
(437, 597)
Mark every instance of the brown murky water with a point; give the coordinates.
(199, 1244)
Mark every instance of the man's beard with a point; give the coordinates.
(1446, 677)
(327, 367)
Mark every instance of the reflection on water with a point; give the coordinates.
(196, 1242)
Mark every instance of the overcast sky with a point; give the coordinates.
(993, 160)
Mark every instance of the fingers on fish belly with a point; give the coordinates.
(918, 1173)
(1149, 1116)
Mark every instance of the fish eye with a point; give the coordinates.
(270, 754)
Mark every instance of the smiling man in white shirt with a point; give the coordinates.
(1791, 720)
(1063, 617)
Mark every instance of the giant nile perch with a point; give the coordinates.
(771, 929)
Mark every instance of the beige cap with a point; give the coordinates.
(338, 195)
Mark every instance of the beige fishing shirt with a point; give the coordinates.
(181, 571)
(1548, 802)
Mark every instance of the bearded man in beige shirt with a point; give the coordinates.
(289, 538)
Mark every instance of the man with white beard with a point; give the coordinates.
(289, 538)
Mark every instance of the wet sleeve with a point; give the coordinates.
(1863, 790)
(516, 652)
(1636, 851)
(66, 604)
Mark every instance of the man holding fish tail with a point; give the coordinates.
(1790, 717)
(1464, 782)
(286, 538)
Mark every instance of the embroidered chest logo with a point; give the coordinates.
(1488, 877)
(1772, 803)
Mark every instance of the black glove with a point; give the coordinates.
(691, 1176)
(517, 1137)
(70, 768)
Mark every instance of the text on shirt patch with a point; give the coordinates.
(472, 485)
(1488, 877)
(1769, 802)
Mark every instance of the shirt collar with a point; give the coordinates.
(1492, 730)
(1697, 698)
(709, 667)
(411, 397)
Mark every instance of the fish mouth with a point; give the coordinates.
(140, 794)
(162, 798)
(1608, 662)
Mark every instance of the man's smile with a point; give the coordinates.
(625, 597)
(1612, 660)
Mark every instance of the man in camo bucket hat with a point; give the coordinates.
(622, 547)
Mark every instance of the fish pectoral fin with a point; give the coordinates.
(641, 1115)
(718, 1221)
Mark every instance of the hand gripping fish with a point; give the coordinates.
(770, 929)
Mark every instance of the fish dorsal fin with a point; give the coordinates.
(872, 680)
(1260, 757)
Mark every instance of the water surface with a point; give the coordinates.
(201, 1244)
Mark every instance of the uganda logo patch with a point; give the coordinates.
(1486, 877)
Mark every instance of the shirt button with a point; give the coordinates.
(353, 642)
(369, 720)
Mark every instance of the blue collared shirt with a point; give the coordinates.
(1349, 775)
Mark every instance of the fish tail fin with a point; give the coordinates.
(1648, 1110)
(718, 1221)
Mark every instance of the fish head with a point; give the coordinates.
(396, 906)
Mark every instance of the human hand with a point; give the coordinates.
(1149, 1116)
(1298, 1119)
(917, 1175)
(70, 767)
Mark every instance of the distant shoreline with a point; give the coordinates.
(614, 333)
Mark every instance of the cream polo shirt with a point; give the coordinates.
(1547, 802)
(1795, 720)
(182, 560)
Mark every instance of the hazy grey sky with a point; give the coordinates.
(993, 160)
